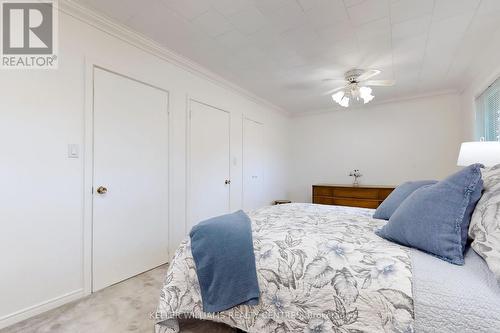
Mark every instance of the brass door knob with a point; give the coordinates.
(102, 190)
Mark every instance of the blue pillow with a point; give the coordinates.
(435, 218)
(400, 193)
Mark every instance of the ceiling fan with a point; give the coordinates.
(357, 82)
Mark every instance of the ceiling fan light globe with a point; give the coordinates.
(368, 98)
(337, 97)
(365, 92)
(344, 102)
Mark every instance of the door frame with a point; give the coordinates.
(88, 158)
(189, 101)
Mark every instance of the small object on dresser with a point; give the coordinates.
(356, 174)
(281, 202)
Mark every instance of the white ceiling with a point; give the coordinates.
(283, 49)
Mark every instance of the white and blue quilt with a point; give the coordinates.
(322, 269)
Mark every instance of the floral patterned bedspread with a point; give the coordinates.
(320, 269)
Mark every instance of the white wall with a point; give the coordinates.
(41, 202)
(390, 143)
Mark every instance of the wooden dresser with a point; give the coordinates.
(348, 195)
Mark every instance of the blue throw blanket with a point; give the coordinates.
(222, 249)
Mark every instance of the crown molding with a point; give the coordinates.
(117, 30)
(381, 102)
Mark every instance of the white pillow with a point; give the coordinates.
(485, 223)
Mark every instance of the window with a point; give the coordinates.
(488, 113)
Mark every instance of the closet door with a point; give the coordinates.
(252, 165)
(130, 199)
(209, 163)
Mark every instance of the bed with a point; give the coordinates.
(322, 269)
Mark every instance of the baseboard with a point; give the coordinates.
(36, 309)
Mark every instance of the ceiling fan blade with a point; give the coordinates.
(382, 83)
(368, 74)
(337, 79)
(329, 92)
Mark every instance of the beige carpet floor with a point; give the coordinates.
(124, 307)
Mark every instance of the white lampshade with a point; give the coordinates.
(484, 152)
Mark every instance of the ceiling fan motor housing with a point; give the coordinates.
(353, 74)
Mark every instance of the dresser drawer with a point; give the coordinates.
(323, 191)
(323, 200)
(383, 193)
(364, 203)
(357, 193)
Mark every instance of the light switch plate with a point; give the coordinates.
(73, 151)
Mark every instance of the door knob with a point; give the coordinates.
(102, 190)
(227, 182)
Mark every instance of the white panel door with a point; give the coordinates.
(130, 220)
(252, 165)
(209, 189)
